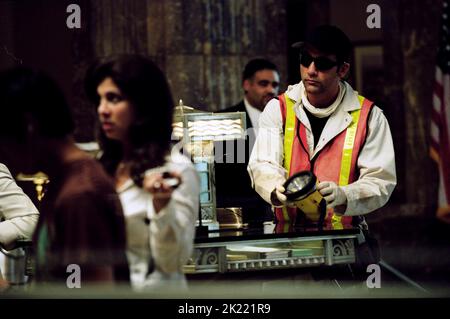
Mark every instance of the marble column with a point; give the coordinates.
(410, 39)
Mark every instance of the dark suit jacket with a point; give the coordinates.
(233, 184)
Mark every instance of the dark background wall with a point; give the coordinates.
(202, 45)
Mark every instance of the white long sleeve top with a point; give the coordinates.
(376, 161)
(16, 209)
(167, 240)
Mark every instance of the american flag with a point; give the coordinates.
(440, 121)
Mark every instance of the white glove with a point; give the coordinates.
(278, 198)
(333, 194)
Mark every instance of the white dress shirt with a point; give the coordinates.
(254, 115)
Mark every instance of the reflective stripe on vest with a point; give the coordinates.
(289, 134)
(348, 160)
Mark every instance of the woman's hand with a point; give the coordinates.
(161, 186)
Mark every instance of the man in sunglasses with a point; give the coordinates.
(322, 125)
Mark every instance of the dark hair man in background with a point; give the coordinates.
(260, 83)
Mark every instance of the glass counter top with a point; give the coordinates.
(270, 230)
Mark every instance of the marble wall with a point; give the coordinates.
(202, 45)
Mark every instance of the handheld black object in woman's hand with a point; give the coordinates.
(170, 180)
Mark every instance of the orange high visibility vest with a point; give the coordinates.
(336, 162)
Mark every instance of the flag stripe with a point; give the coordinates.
(440, 112)
(436, 118)
(439, 90)
(445, 152)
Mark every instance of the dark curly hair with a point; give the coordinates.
(145, 86)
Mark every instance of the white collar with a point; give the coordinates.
(253, 113)
(349, 102)
(323, 112)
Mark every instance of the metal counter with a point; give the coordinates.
(271, 247)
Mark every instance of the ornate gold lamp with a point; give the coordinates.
(39, 179)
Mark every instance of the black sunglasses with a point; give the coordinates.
(322, 63)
